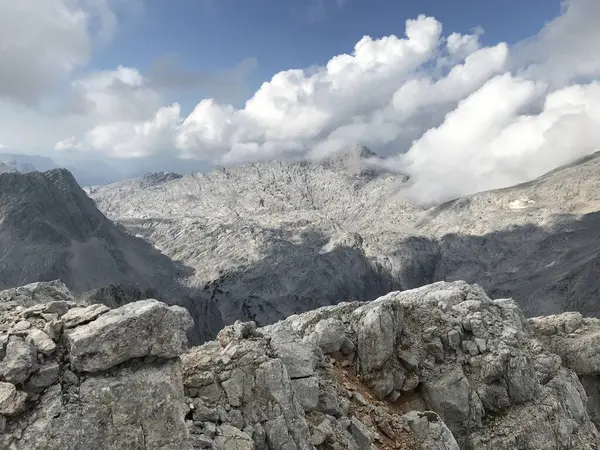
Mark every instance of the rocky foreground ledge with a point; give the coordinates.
(440, 367)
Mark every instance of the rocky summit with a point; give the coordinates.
(439, 367)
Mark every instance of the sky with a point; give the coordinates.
(463, 96)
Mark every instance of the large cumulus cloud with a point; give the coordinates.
(456, 115)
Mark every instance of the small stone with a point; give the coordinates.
(411, 383)
(54, 329)
(210, 429)
(360, 398)
(201, 441)
(307, 392)
(12, 402)
(481, 344)
(41, 341)
(470, 347)
(3, 342)
(46, 376)
(203, 414)
(21, 326)
(78, 316)
(70, 377)
(361, 434)
(409, 359)
(454, 339)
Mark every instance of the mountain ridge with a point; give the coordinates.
(253, 234)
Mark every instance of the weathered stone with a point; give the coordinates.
(142, 328)
(203, 413)
(133, 408)
(53, 329)
(12, 402)
(3, 343)
(230, 438)
(307, 392)
(21, 326)
(329, 335)
(376, 337)
(20, 361)
(410, 360)
(79, 316)
(494, 397)
(449, 395)
(360, 433)
(521, 379)
(41, 341)
(44, 377)
(299, 358)
(429, 431)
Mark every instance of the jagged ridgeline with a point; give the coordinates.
(51, 230)
(271, 239)
(441, 367)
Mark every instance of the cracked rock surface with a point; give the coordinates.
(438, 367)
(272, 239)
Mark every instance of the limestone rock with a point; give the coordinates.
(429, 431)
(20, 361)
(11, 401)
(44, 377)
(41, 341)
(78, 316)
(143, 328)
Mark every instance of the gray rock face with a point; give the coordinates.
(49, 399)
(19, 362)
(430, 432)
(116, 381)
(144, 328)
(274, 239)
(503, 391)
(11, 401)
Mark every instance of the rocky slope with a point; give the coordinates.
(440, 367)
(6, 168)
(50, 229)
(272, 239)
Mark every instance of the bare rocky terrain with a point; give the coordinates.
(50, 230)
(441, 367)
(272, 239)
(347, 339)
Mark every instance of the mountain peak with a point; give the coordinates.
(352, 152)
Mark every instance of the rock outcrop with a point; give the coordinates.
(81, 377)
(439, 367)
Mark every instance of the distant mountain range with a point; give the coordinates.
(272, 239)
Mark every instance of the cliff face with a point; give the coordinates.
(50, 229)
(439, 367)
(271, 239)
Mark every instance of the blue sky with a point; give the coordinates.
(211, 35)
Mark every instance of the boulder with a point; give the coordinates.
(20, 361)
(143, 328)
(11, 401)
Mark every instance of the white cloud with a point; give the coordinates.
(566, 49)
(40, 42)
(459, 116)
(115, 95)
(486, 143)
